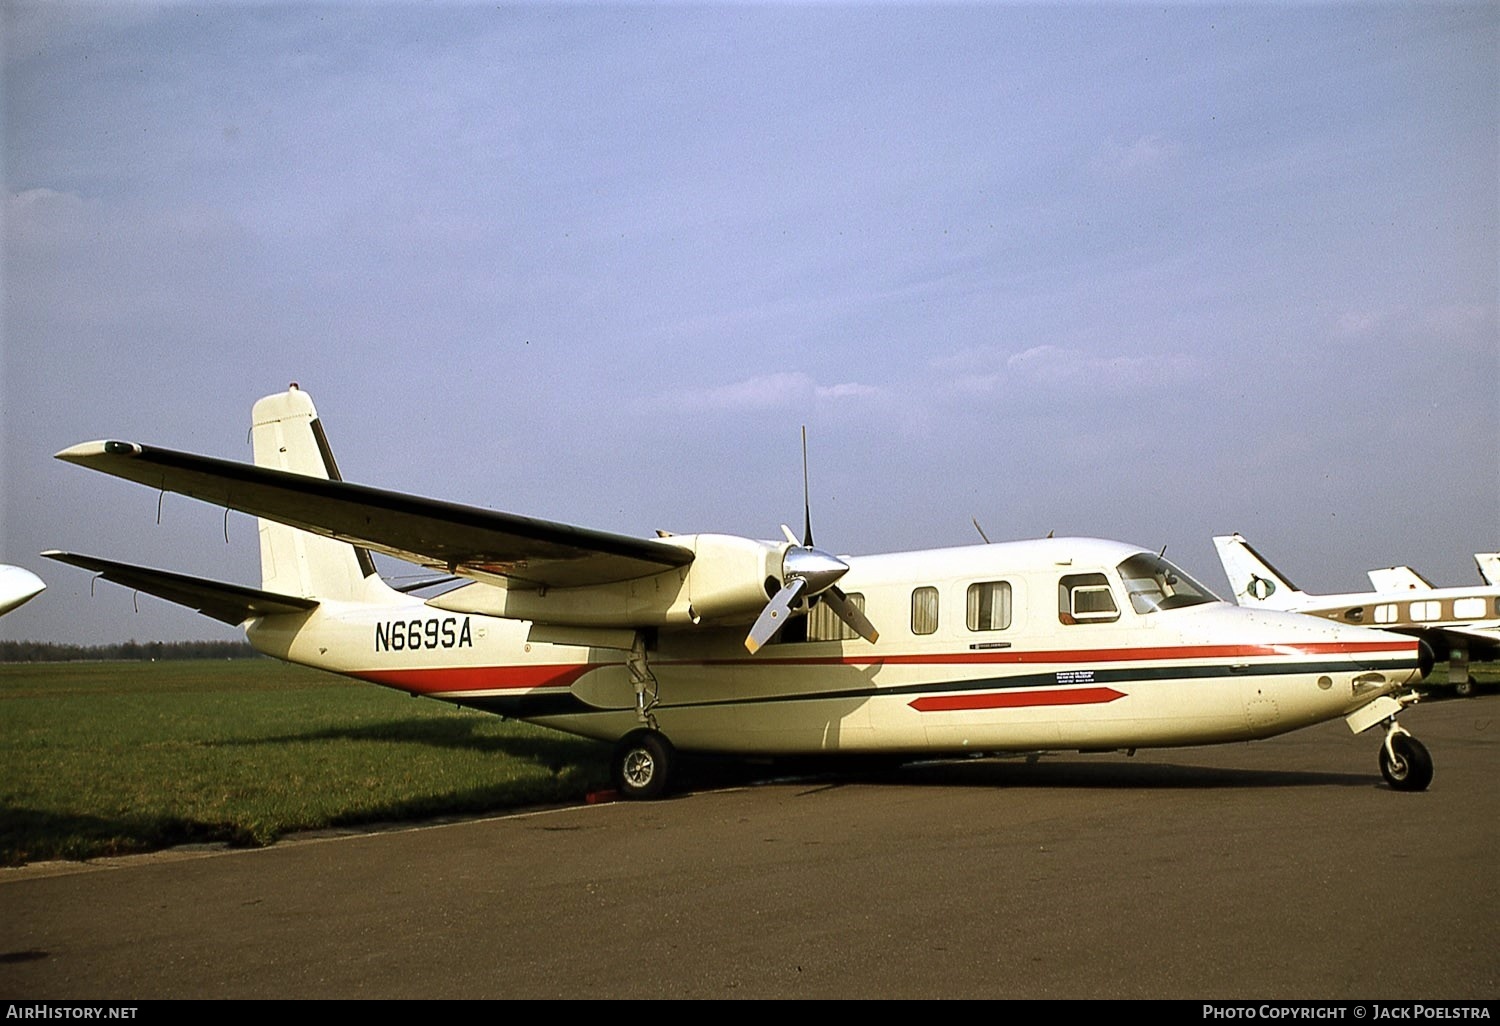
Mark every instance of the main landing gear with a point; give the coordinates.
(644, 761)
(644, 764)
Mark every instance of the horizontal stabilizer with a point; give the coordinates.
(440, 535)
(231, 603)
(1398, 578)
(18, 586)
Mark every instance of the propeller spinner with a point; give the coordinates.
(809, 574)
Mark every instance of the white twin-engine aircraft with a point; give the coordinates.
(717, 644)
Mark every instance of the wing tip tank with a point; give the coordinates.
(92, 450)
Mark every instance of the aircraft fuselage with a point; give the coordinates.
(1019, 646)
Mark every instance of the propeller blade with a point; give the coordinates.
(774, 617)
(850, 613)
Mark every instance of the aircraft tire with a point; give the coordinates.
(1412, 768)
(1465, 689)
(643, 766)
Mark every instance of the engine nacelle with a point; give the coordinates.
(725, 583)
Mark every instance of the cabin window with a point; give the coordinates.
(823, 623)
(1387, 612)
(989, 606)
(1427, 610)
(1086, 598)
(1468, 609)
(1355, 615)
(924, 610)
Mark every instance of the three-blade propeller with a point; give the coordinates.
(808, 575)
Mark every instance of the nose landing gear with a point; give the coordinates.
(1404, 761)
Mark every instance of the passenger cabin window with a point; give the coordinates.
(989, 606)
(1086, 598)
(823, 623)
(924, 610)
(1468, 608)
(1428, 610)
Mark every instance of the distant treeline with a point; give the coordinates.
(47, 652)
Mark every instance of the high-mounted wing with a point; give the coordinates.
(231, 603)
(441, 535)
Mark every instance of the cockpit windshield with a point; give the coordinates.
(1154, 584)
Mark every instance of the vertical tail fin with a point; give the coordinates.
(1255, 582)
(288, 436)
(1489, 566)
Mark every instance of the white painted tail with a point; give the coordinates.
(1255, 582)
(288, 436)
(1489, 566)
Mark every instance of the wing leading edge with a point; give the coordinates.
(440, 535)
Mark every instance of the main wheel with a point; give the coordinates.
(1411, 769)
(643, 765)
(1466, 688)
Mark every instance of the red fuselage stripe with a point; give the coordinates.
(1017, 699)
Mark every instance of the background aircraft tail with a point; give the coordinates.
(288, 436)
(1489, 566)
(1255, 581)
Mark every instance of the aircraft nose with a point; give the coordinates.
(1426, 659)
(1412, 666)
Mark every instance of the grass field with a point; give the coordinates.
(111, 758)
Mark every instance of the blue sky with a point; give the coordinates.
(1151, 273)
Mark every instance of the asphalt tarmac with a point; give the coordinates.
(1283, 869)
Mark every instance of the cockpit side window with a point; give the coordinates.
(1086, 598)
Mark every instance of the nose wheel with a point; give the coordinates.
(1404, 761)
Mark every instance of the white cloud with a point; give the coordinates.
(765, 391)
(848, 390)
(772, 391)
(985, 370)
(1144, 154)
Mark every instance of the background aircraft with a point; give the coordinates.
(17, 585)
(1461, 624)
(736, 646)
